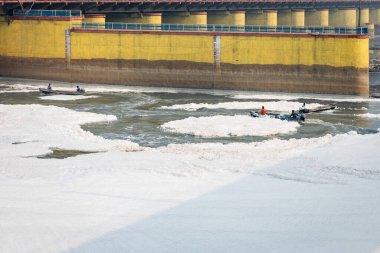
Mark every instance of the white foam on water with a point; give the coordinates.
(295, 96)
(370, 115)
(45, 127)
(348, 155)
(165, 199)
(14, 88)
(94, 88)
(66, 97)
(225, 126)
(245, 158)
(280, 106)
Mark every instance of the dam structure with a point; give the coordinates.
(304, 46)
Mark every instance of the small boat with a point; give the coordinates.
(375, 95)
(60, 92)
(318, 109)
(299, 117)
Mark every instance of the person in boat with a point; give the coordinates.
(49, 87)
(79, 89)
(263, 111)
(303, 109)
(293, 114)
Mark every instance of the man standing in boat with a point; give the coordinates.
(49, 87)
(263, 111)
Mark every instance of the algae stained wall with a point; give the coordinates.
(34, 47)
(320, 64)
(135, 47)
(33, 38)
(271, 62)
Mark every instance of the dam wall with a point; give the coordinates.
(316, 63)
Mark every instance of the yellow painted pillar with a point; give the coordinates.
(226, 18)
(363, 14)
(319, 18)
(271, 16)
(152, 18)
(199, 18)
(192, 18)
(261, 18)
(237, 18)
(291, 18)
(374, 16)
(95, 18)
(298, 18)
(344, 17)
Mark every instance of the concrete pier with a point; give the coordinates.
(261, 18)
(226, 18)
(374, 16)
(95, 18)
(298, 18)
(291, 18)
(363, 16)
(345, 17)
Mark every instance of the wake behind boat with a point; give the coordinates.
(318, 109)
(50, 91)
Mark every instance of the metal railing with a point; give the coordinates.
(47, 13)
(222, 28)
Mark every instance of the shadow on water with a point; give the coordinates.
(63, 153)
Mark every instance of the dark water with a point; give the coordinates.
(140, 116)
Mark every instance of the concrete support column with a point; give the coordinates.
(363, 16)
(345, 17)
(261, 18)
(298, 18)
(199, 18)
(271, 17)
(94, 18)
(152, 18)
(291, 18)
(226, 18)
(192, 18)
(318, 18)
(237, 17)
(374, 16)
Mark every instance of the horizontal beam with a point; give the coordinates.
(2, 2)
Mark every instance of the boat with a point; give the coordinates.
(299, 117)
(60, 92)
(375, 95)
(318, 109)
